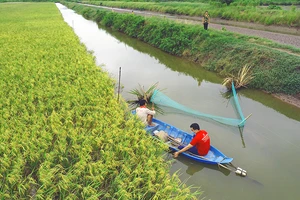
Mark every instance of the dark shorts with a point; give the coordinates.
(192, 150)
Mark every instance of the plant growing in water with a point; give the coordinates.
(242, 79)
(141, 93)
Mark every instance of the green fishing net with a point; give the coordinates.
(163, 100)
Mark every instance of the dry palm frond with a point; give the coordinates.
(243, 78)
(227, 82)
(141, 93)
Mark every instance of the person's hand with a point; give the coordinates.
(176, 154)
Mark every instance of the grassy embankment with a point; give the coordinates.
(257, 14)
(266, 2)
(22, 1)
(241, 2)
(219, 51)
(63, 135)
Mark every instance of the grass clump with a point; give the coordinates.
(141, 93)
(242, 79)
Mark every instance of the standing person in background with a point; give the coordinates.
(145, 114)
(206, 20)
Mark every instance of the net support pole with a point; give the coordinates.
(244, 120)
(119, 83)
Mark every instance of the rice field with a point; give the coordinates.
(63, 134)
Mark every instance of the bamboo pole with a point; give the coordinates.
(119, 83)
(244, 119)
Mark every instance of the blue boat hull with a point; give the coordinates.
(214, 155)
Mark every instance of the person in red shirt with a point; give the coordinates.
(199, 145)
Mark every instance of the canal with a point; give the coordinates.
(268, 147)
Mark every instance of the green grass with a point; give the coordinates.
(268, 2)
(243, 2)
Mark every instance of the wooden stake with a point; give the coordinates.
(119, 83)
(245, 119)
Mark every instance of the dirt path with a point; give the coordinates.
(287, 39)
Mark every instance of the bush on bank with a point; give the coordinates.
(219, 51)
(63, 134)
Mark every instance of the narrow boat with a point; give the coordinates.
(178, 137)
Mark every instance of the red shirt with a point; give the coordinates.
(202, 142)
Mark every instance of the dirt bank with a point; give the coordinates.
(293, 100)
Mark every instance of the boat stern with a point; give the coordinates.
(226, 160)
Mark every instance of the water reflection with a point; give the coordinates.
(195, 167)
(176, 64)
(242, 137)
(268, 100)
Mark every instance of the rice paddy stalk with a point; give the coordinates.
(60, 120)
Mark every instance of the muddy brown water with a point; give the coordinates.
(268, 147)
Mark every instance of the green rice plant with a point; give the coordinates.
(60, 119)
